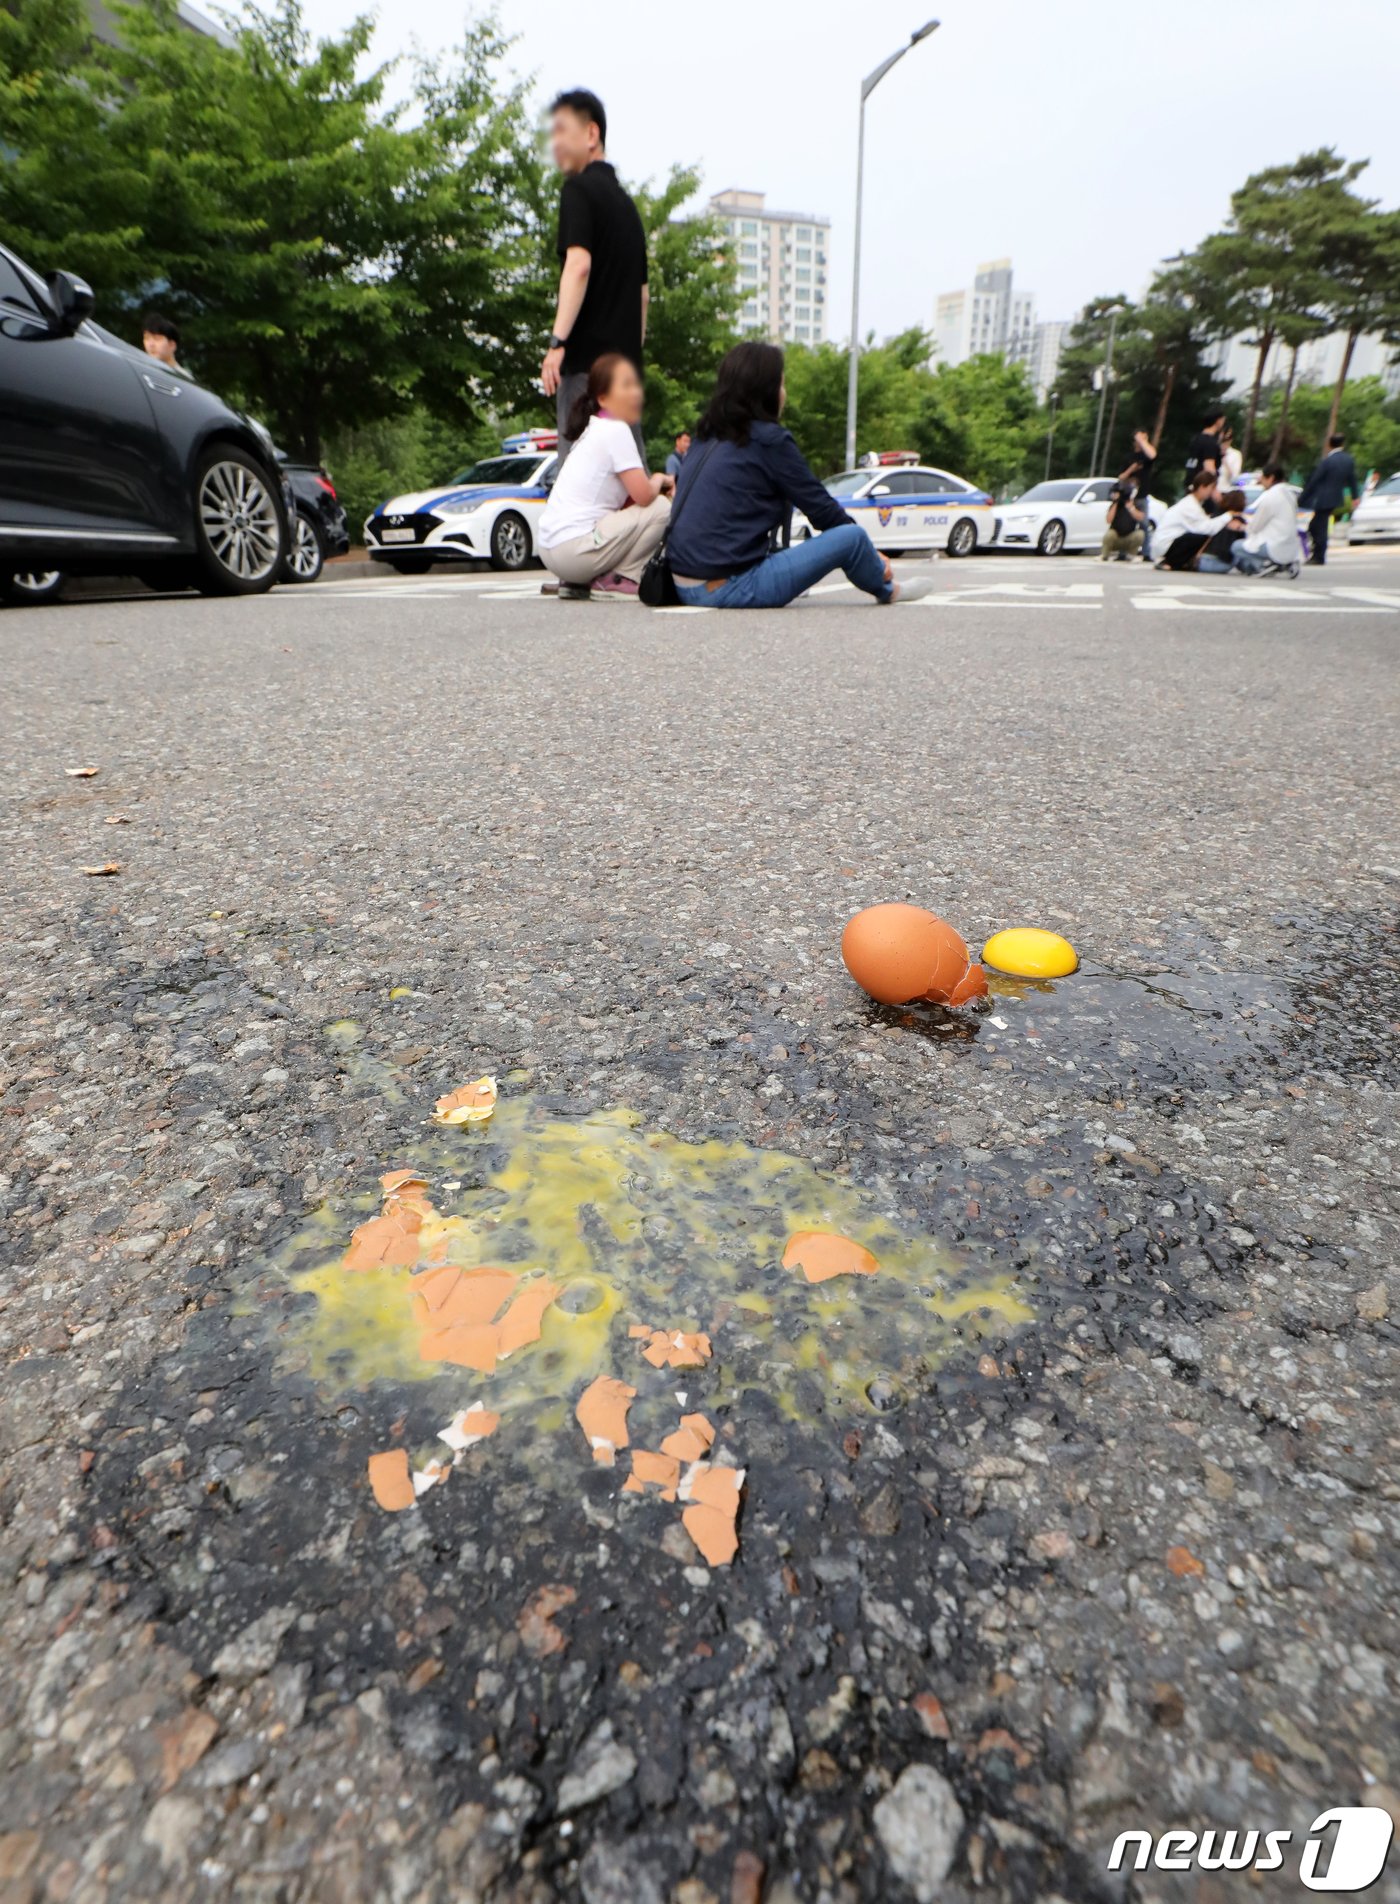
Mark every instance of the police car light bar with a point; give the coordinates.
(532, 440)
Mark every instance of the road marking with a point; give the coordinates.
(1188, 602)
(1383, 597)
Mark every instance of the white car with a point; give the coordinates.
(488, 512)
(1071, 513)
(1376, 518)
(910, 507)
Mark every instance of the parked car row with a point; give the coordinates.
(109, 463)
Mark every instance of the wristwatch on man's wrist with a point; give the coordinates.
(557, 343)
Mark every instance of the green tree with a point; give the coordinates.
(1361, 256)
(693, 312)
(1369, 418)
(979, 419)
(331, 255)
(1269, 262)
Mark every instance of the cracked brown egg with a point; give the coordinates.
(901, 953)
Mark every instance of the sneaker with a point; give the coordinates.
(1293, 571)
(913, 591)
(572, 592)
(611, 588)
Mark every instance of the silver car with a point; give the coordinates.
(1069, 513)
(1376, 518)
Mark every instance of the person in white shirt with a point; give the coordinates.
(1187, 526)
(605, 515)
(1273, 540)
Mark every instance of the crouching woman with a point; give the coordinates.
(738, 487)
(605, 515)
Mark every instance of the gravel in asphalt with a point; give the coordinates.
(1077, 1518)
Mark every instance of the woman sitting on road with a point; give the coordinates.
(605, 515)
(738, 487)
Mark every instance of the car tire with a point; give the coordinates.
(510, 542)
(240, 536)
(30, 587)
(410, 564)
(962, 537)
(1052, 539)
(307, 555)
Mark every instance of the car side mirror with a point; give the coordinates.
(72, 299)
(881, 489)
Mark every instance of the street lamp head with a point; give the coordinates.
(930, 26)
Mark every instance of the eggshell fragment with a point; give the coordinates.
(710, 1519)
(692, 1441)
(899, 953)
(521, 1322)
(672, 1348)
(391, 1480)
(473, 1104)
(469, 1426)
(602, 1415)
(1030, 952)
(387, 1241)
(653, 1470)
(822, 1254)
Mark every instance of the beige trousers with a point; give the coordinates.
(620, 543)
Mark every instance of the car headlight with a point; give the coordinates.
(468, 508)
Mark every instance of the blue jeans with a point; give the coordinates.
(780, 578)
(1212, 565)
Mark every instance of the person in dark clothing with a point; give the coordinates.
(736, 494)
(1204, 451)
(1325, 491)
(602, 246)
(1122, 536)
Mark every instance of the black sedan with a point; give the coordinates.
(319, 525)
(111, 464)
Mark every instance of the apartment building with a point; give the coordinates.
(782, 264)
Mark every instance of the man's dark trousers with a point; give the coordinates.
(1317, 531)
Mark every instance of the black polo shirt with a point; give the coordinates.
(1205, 448)
(596, 214)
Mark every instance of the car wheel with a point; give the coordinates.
(31, 587)
(1052, 539)
(307, 555)
(510, 542)
(410, 564)
(239, 533)
(963, 538)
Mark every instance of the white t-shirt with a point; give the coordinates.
(1185, 515)
(590, 484)
(1273, 528)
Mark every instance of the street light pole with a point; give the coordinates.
(867, 86)
(1050, 439)
(1103, 393)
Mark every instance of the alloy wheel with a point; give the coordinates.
(512, 542)
(305, 557)
(239, 519)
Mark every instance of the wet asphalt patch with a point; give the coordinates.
(234, 1482)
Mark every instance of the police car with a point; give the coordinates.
(902, 503)
(489, 512)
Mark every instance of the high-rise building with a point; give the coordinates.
(990, 317)
(1043, 364)
(781, 259)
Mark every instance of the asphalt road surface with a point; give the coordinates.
(1077, 1517)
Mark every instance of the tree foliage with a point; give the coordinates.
(332, 252)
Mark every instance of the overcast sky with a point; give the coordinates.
(1086, 139)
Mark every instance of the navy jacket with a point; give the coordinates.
(1329, 482)
(731, 498)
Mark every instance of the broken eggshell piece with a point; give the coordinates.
(901, 954)
(822, 1254)
(602, 1415)
(473, 1104)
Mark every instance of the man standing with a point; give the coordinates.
(602, 249)
(678, 454)
(1204, 452)
(160, 338)
(1325, 491)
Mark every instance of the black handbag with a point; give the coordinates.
(657, 587)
